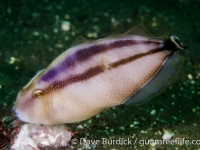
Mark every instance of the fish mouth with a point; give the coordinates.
(14, 112)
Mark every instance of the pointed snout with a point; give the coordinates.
(14, 112)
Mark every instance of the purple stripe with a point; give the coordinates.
(65, 64)
(73, 79)
(59, 84)
(85, 53)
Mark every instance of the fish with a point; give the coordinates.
(92, 76)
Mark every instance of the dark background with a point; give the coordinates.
(32, 36)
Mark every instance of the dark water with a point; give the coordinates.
(32, 36)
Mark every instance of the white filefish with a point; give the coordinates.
(92, 76)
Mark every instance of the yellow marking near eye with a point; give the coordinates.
(38, 94)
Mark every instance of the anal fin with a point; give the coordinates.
(157, 83)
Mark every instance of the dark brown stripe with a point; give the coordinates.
(132, 58)
(95, 71)
(85, 53)
(76, 78)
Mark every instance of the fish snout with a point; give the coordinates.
(13, 111)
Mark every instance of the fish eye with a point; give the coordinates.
(38, 94)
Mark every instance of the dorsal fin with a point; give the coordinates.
(79, 40)
(37, 75)
(139, 30)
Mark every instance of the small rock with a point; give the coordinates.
(79, 127)
(65, 25)
(167, 135)
(153, 112)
